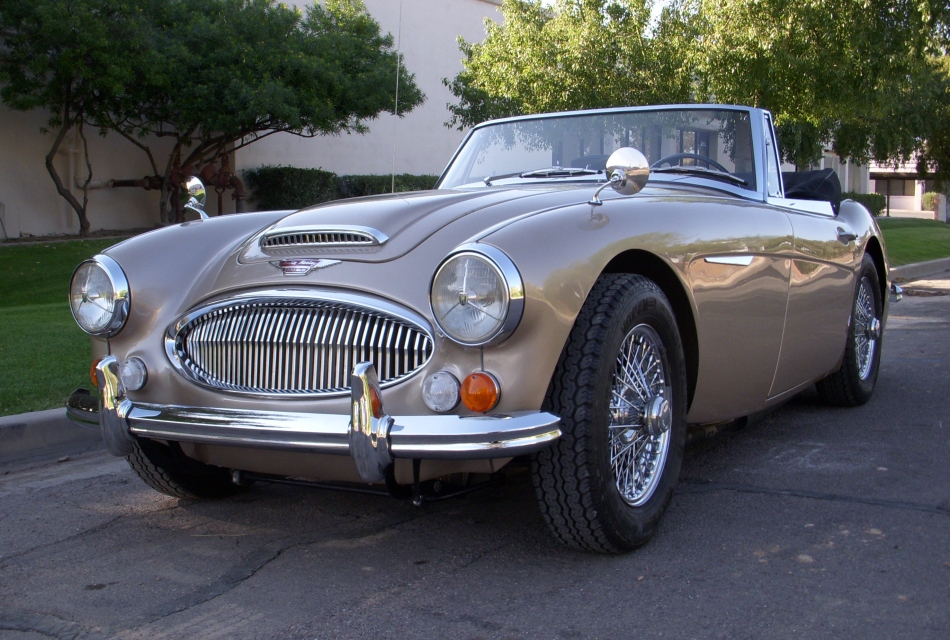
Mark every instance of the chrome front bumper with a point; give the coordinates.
(373, 438)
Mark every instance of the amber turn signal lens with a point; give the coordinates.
(376, 401)
(92, 371)
(480, 392)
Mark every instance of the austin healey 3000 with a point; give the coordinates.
(577, 290)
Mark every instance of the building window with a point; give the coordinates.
(898, 187)
(696, 142)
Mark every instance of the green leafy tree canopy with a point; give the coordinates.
(574, 54)
(863, 77)
(214, 75)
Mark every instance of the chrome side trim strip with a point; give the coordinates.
(742, 261)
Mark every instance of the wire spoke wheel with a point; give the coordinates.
(853, 383)
(620, 390)
(637, 456)
(865, 329)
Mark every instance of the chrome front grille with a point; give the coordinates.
(300, 346)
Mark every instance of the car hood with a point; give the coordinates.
(392, 225)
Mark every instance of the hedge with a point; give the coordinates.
(276, 187)
(875, 202)
(928, 201)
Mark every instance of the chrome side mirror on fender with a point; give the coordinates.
(628, 171)
(192, 197)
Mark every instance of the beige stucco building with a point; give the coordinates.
(427, 32)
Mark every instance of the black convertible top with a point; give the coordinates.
(822, 184)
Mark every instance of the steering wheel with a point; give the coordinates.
(676, 157)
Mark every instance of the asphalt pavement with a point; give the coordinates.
(812, 522)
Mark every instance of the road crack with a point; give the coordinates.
(692, 485)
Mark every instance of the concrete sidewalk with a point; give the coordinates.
(50, 434)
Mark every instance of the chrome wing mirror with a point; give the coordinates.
(627, 172)
(192, 196)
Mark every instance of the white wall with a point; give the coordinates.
(29, 203)
(423, 145)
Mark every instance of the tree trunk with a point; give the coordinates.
(77, 206)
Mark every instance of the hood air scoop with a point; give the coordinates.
(322, 237)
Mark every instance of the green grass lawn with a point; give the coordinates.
(44, 355)
(913, 240)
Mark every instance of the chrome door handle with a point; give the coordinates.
(844, 237)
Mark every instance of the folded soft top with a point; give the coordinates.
(813, 185)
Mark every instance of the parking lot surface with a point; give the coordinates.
(812, 522)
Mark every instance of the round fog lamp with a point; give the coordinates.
(133, 374)
(441, 391)
(480, 392)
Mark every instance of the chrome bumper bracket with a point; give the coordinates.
(114, 407)
(368, 431)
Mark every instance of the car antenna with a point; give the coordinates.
(396, 109)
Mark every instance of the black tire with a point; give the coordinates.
(853, 384)
(167, 470)
(576, 485)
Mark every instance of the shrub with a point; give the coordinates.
(290, 187)
(929, 201)
(275, 187)
(875, 202)
(370, 185)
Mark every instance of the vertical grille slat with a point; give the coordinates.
(296, 346)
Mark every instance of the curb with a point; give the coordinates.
(44, 434)
(920, 269)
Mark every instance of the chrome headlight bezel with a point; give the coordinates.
(512, 288)
(121, 295)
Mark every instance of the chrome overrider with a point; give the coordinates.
(371, 437)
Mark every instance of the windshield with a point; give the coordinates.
(703, 142)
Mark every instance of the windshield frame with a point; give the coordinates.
(757, 118)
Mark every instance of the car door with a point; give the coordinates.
(739, 279)
(821, 283)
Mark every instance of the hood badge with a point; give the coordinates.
(302, 267)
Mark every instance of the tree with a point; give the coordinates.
(214, 75)
(576, 54)
(64, 57)
(933, 158)
(854, 75)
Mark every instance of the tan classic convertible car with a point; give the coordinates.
(577, 290)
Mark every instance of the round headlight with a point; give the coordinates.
(99, 296)
(476, 295)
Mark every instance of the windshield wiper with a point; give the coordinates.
(499, 176)
(702, 171)
(550, 172)
(559, 172)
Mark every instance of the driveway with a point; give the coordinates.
(812, 522)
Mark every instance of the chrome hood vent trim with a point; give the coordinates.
(342, 236)
(296, 343)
